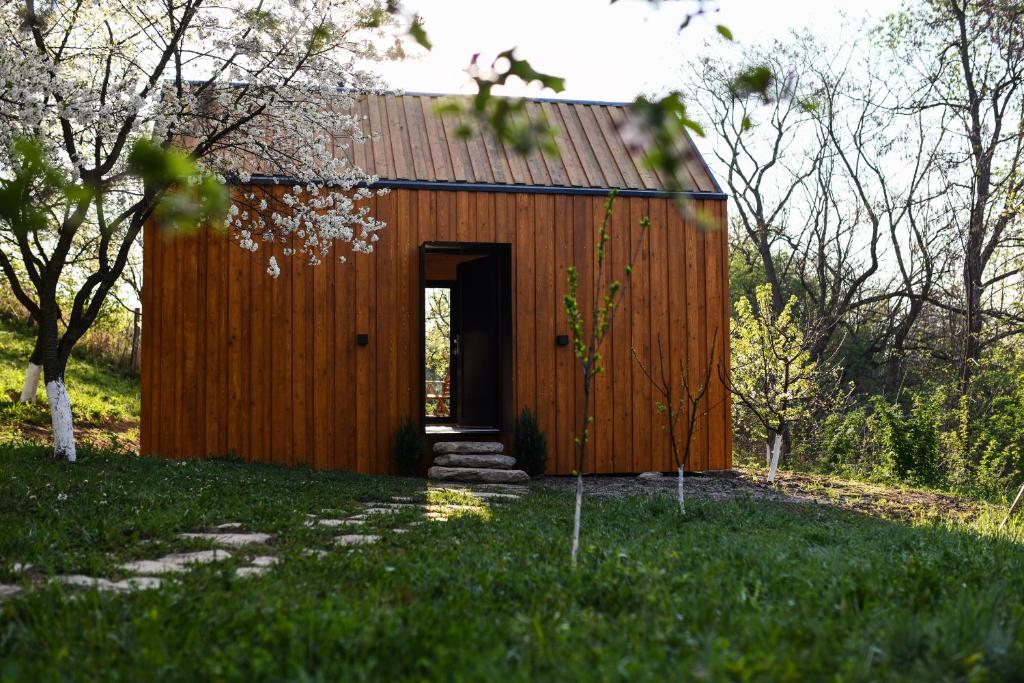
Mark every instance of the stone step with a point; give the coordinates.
(468, 447)
(489, 460)
(477, 475)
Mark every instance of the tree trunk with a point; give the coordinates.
(576, 517)
(1013, 506)
(30, 390)
(776, 452)
(682, 495)
(54, 364)
(136, 358)
(972, 332)
(60, 417)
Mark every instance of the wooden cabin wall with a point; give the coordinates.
(235, 362)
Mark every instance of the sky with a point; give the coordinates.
(604, 51)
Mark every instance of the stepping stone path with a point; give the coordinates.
(258, 566)
(356, 539)
(228, 540)
(123, 586)
(7, 591)
(475, 462)
(330, 522)
(175, 563)
(150, 574)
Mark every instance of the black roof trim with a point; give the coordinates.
(505, 187)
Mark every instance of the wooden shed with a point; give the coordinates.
(293, 371)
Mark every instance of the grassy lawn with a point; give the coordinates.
(105, 401)
(741, 589)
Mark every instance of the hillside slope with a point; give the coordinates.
(105, 401)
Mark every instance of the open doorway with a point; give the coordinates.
(439, 343)
(466, 336)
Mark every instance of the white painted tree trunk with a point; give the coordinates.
(776, 451)
(682, 495)
(1016, 501)
(576, 518)
(60, 416)
(30, 389)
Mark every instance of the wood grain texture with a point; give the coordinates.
(268, 369)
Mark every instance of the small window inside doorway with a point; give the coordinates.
(438, 357)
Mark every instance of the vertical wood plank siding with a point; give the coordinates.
(269, 370)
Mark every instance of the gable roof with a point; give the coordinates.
(412, 145)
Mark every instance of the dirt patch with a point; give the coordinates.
(120, 435)
(790, 487)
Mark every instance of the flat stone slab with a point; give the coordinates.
(229, 526)
(7, 590)
(381, 511)
(487, 460)
(487, 495)
(356, 539)
(326, 522)
(249, 572)
(176, 563)
(456, 487)
(265, 561)
(452, 507)
(228, 540)
(477, 475)
(468, 447)
(123, 586)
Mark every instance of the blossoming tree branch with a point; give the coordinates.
(116, 113)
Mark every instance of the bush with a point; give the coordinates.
(409, 448)
(531, 447)
(887, 441)
(910, 442)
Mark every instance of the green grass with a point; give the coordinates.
(105, 401)
(738, 590)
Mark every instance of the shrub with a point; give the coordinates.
(843, 440)
(910, 442)
(409, 448)
(531, 447)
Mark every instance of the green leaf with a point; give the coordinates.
(419, 34)
(724, 32)
(755, 80)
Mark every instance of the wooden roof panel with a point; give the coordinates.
(409, 140)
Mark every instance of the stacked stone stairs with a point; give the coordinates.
(475, 462)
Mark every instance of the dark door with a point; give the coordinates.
(478, 360)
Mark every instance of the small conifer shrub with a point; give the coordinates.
(531, 446)
(409, 448)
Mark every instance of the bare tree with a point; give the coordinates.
(969, 58)
(673, 406)
(764, 159)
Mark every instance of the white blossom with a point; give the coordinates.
(270, 109)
